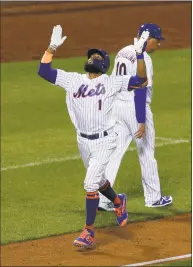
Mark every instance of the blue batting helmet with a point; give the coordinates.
(154, 30)
(101, 65)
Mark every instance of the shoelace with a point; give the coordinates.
(84, 233)
(119, 211)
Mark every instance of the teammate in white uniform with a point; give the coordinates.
(137, 126)
(90, 100)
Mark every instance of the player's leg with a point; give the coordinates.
(84, 151)
(95, 179)
(124, 138)
(148, 163)
(100, 151)
(86, 238)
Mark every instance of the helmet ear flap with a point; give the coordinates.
(100, 64)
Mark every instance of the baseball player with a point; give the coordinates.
(135, 122)
(90, 100)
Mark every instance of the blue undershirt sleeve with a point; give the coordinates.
(136, 82)
(46, 72)
(140, 104)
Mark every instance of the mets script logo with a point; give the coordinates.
(83, 91)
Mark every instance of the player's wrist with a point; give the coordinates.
(140, 56)
(50, 50)
(47, 57)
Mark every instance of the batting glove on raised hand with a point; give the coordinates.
(140, 45)
(56, 38)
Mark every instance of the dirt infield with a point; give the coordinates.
(137, 242)
(26, 28)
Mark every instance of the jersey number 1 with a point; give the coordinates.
(100, 104)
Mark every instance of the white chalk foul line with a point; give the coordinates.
(166, 143)
(68, 158)
(37, 163)
(159, 261)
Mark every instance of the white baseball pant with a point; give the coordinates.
(126, 128)
(95, 155)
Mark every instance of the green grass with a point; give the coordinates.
(49, 199)
(176, 263)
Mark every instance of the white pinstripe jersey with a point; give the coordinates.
(126, 63)
(90, 101)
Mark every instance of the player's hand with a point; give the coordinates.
(56, 38)
(141, 131)
(140, 45)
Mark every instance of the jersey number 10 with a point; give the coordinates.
(121, 69)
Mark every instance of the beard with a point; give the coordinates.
(91, 68)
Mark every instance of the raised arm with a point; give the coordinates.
(140, 48)
(140, 91)
(140, 80)
(45, 71)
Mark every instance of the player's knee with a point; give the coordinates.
(91, 186)
(148, 161)
(93, 178)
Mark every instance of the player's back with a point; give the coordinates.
(126, 64)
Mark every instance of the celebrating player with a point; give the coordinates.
(90, 99)
(135, 121)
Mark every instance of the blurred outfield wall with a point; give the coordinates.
(26, 26)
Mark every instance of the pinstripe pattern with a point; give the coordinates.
(90, 106)
(127, 126)
(84, 111)
(127, 56)
(95, 155)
